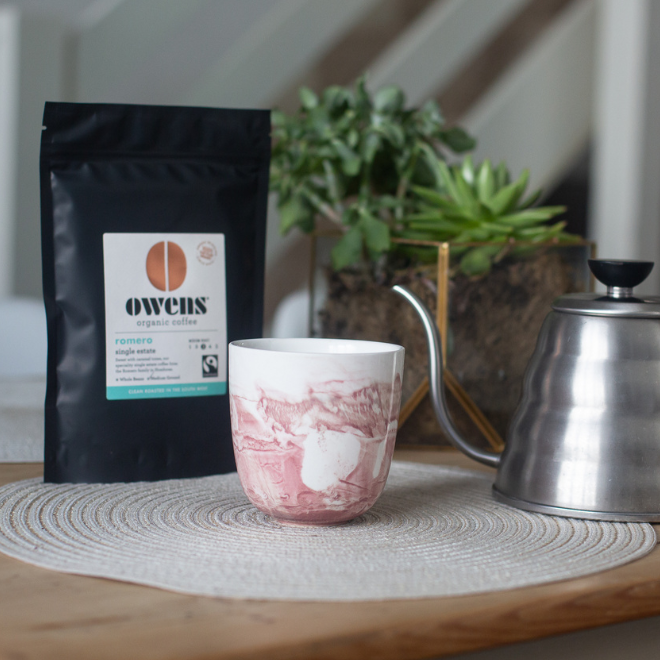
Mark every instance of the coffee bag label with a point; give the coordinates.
(165, 315)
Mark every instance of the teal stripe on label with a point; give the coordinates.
(164, 391)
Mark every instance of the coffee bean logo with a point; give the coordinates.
(166, 266)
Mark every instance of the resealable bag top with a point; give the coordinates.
(153, 232)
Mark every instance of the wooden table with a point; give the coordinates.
(44, 614)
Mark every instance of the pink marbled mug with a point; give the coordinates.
(314, 423)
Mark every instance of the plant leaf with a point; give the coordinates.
(496, 228)
(466, 196)
(432, 113)
(501, 176)
(458, 140)
(389, 99)
(417, 235)
(362, 100)
(530, 217)
(564, 237)
(393, 133)
(336, 98)
(431, 157)
(387, 202)
(528, 233)
(308, 99)
(332, 182)
(485, 183)
(550, 232)
(370, 146)
(483, 234)
(467, 170)
(463, 237)
(295, 211)
(352, 138)
(350, 161)
(531, 200)
(477, 261)
(434, 197)
(427, 216)
(448, 180)
(348, 250)
(506, 198)
(436, 224)
(277, 118)
(376, 233)
(458, 222)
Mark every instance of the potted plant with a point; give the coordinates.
(352, 159)
(376, 172)
(481, 205)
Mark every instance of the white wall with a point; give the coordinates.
(139, 53)
(30, 73)
(539, 114)
(41, 79)
(626, 172)
(438, 43)
(9, 108)
(234, 53)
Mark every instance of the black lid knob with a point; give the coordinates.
(620, 273)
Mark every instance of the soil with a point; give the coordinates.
(493, 325)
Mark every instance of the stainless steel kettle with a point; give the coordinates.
(584, 441)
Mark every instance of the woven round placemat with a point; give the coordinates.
(435, 531)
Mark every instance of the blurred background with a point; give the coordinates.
(568, 88)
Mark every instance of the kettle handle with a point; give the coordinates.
(436, 384)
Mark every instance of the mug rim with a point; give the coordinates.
(365, 347)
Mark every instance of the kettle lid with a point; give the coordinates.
(620, 277)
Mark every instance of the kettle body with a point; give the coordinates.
(585, 438)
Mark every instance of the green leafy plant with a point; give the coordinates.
(481, 204)
(353, 159)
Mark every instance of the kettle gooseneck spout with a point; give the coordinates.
(436, 384)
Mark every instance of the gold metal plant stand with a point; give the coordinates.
(451, 382)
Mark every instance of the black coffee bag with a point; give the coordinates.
(153, 232)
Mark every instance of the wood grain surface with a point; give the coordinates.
(46, 615)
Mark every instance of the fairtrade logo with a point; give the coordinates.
(166, 266)
(209, 366)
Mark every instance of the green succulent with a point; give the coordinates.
(471, 204)
(353, 158)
